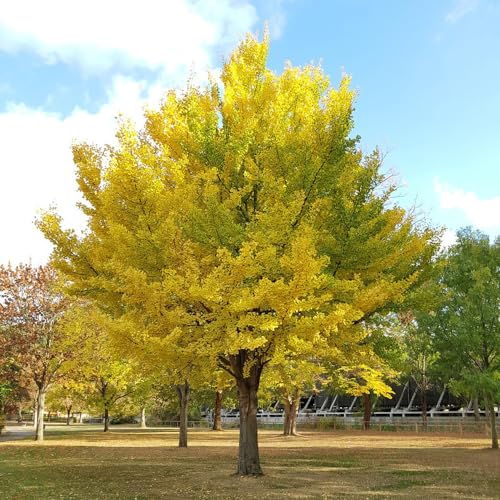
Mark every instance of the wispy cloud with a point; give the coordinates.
(273, 12)
(460, 9)
(481, 213)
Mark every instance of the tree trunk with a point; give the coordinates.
(217, 425)
(492, 414)
(40, 407)
(183, 393)
(367, 411)
(106, 419)
(291, 407)
(80, 417)
(143, 418)
(293, 415)
(475, 404)
(246, 367)
(19, 415)
(35, 412)
(423, 402)
(68, 415)
(287, 409)
(249, 460)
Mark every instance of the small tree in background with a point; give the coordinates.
(464, 327)
(36, 335)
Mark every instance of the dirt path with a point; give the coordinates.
(15, 432)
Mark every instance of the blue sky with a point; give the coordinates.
(427, 73)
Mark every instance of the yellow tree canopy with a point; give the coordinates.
(242, 219)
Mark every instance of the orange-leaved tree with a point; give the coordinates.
(33, 325)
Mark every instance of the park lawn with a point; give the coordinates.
(131, 463)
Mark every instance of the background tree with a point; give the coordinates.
(464, 327)
(16, 391)
(422, 360)
(292, 379)
(32, 310)
(223, 383)
(67, 395)
(110, 379)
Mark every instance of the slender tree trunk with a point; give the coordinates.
(367, 411)
(475, 404)
(40, 407)
(143, 418)
(293, 415)
(291, 407)
(19, 415)
(217, 425)
(35, 412)
(183, 393)
(68, 415)
(106, 419)
(80, 417)
(492, 414)
(423, 402)
(287, 410)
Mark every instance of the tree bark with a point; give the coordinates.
(492, 414)
(183, 393)
(68, 415)
(367, 411)
(423, 402)
(106, 419)
(291, 407)
(143, 418)
(293, 415)
(35, 412)
(475, 404)
(217, 425)
(40, 407)
(246, 367)
(249, 460)
(286, 416)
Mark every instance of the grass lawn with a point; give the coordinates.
(131, 463)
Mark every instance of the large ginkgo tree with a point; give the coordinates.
(242, 220)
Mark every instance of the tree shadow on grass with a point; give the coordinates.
(147, 468)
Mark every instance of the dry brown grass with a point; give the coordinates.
(147, 464)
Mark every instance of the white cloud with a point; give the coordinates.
(169, 37)
(97, 35)
(449, 238)
(37, 169)
(482, 214)
(460, 9)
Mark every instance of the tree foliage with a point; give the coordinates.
(33, 324)
(464, 327)
(243, 220)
